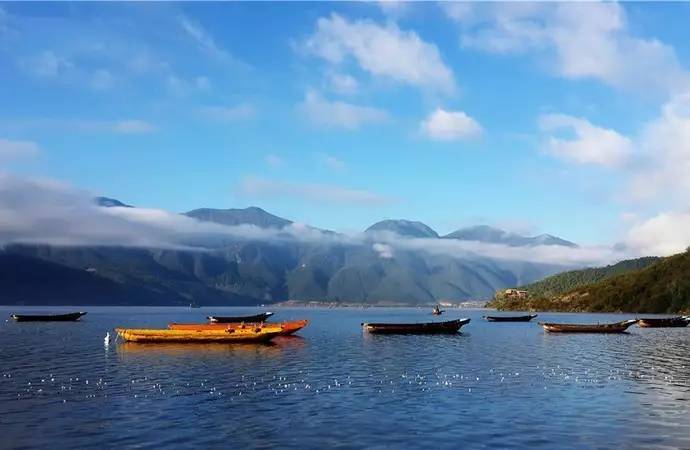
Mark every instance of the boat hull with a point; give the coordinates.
(228, 336)
(510, 318)
(286, 327)
(671, 322)
(618, 327)
(237, 319)
(448, 327)
(69, 317)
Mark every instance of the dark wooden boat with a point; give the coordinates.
(526, 318)
(236, 319)
(69, 317)
(618, 327)
(669, 322)
(451, 326)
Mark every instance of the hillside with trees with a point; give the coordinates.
(567, 281)
(660, 287)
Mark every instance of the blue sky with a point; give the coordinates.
(558, 118)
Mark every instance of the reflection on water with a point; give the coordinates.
(198, 349)
(495, 385)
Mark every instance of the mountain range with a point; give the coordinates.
(253, 271)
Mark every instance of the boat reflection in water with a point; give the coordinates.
(180, 349)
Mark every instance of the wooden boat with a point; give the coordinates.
(247, 334)
(69, 317)
(526, 318)
(451, 326)
(286, 327)
(237, 319)
(669, 322)
(618, 327)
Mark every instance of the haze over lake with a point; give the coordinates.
(496, 384)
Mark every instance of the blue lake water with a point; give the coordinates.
(494, 385)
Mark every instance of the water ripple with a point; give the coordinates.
(495, 385)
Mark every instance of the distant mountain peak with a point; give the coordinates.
(110, 202)
(489, 234)
(402, 227)
(252, 215)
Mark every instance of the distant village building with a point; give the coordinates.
(515, 293)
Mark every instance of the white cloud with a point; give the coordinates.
(183, 87)
(3, 20)
(662, 235)
(242, 111)
(383, 51)
(319, 193)
(202, 83)
(654, 166)
(338, 113)
(589, 143)
(384, 251)
(583, 40)
(132, 127)
(102, 80)
(394, 8)
(47, 64)
(450, 125)
(123, 126)
(115, 57)
(343, 83)
(10, 150)
(546, 254)
(665, 154)
(274, 160)
(204, 40)
(143, 62)
(49, 212)
(332, 162)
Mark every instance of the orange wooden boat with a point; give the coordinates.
(246, 334)
(286, 327)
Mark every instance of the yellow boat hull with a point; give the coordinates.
(229, 335)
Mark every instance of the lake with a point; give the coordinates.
(332, 386)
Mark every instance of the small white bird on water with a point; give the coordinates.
(106, 339)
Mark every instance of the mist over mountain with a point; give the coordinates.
(247, 216)
(254, 269)
(110, 202)
(407, 228)
(485, 233)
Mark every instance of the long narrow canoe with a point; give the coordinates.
(451, 326)
(510, 318)
(618, 327)
(233, 335)
(670, 322)
(69, 317)
(287, 327)
(236, 319)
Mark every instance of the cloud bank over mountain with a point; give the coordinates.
(43, 211)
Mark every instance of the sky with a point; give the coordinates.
(564, 118)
